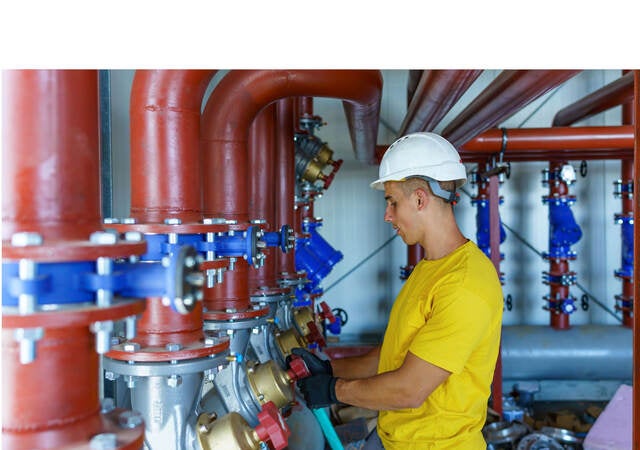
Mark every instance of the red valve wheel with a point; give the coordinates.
(272, 427)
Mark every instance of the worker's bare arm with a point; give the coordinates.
(357, 366)
(407, 387)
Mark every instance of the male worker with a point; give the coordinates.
(430, 379)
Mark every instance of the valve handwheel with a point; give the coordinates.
(272, 427)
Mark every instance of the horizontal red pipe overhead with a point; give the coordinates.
(166, 178)
(239, 97)
(550, 155)
(511, 91)
(613, 94)
(557, 138)
(435, 95)
(51, 153)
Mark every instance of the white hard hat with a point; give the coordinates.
(421, 154)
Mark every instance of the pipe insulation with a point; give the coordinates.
(585, 352)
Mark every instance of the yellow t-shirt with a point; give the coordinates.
(449, 313)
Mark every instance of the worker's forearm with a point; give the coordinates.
(358, 366)
(380, 393)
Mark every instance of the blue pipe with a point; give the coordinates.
(564, 231)
(626, 234)
(483, 227)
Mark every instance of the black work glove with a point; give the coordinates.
(318, 390)
(315, 365)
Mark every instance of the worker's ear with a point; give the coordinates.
(421, 198)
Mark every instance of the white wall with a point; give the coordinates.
(353, 213)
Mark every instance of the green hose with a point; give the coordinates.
(327, 429)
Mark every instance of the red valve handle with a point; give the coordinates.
(329, 179)
(272, 427)
(326, 313)
(297, 368)
(315, 335)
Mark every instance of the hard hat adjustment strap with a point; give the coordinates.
(448, 196)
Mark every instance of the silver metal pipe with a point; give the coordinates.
(584, 352)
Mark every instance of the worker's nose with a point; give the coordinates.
(387, 215)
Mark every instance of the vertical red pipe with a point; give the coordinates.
(51, 184)
(166, 164)
(626, 176)
(494, 245)
(262, 188)
(50, 128)
(558, 266)
(636, 256)
(305, 107)
(285, 178)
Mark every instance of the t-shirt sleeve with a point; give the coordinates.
(457, 323)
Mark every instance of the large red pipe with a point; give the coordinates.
(240, 95)
(51, 127)
(285, 179)
(507, 94)
(435, 95)
(626, 176)
(166, 169)
(613, 94)
(51, 186)
(262, 205)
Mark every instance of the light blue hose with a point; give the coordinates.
(327, 429)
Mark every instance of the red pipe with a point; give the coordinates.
(636, 256)
(262, 189)
(558, 266)
(494, 245)
(166, 169)
(560, 138)
(285, 179)
(507, 94)
(435, 95)
(613, 94)
(50, 128)
(51, 186)
(539, 144)
(626, 176)
(305, 107)
(412, 84)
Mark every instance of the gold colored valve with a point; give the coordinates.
(288, 340)
(313, 172)
(231, 432)
(301, 317)
(269, 382)
(324, 156)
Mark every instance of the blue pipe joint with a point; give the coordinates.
(285, 238)
(245, 244)
(562, 305)
(177, 278)
(304, 296)
(564, 230)
(626, 234)
(307, 260)
(483, 226)
(321, 247)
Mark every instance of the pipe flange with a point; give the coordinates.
(242, 324)
(108, 428)
(232, 315)
(63, 251)
(270, 295)
(178, 228)
(164, 368)
(80, 315)
(133, 350)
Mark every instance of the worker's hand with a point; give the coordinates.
(318, 390)
(315, 365)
